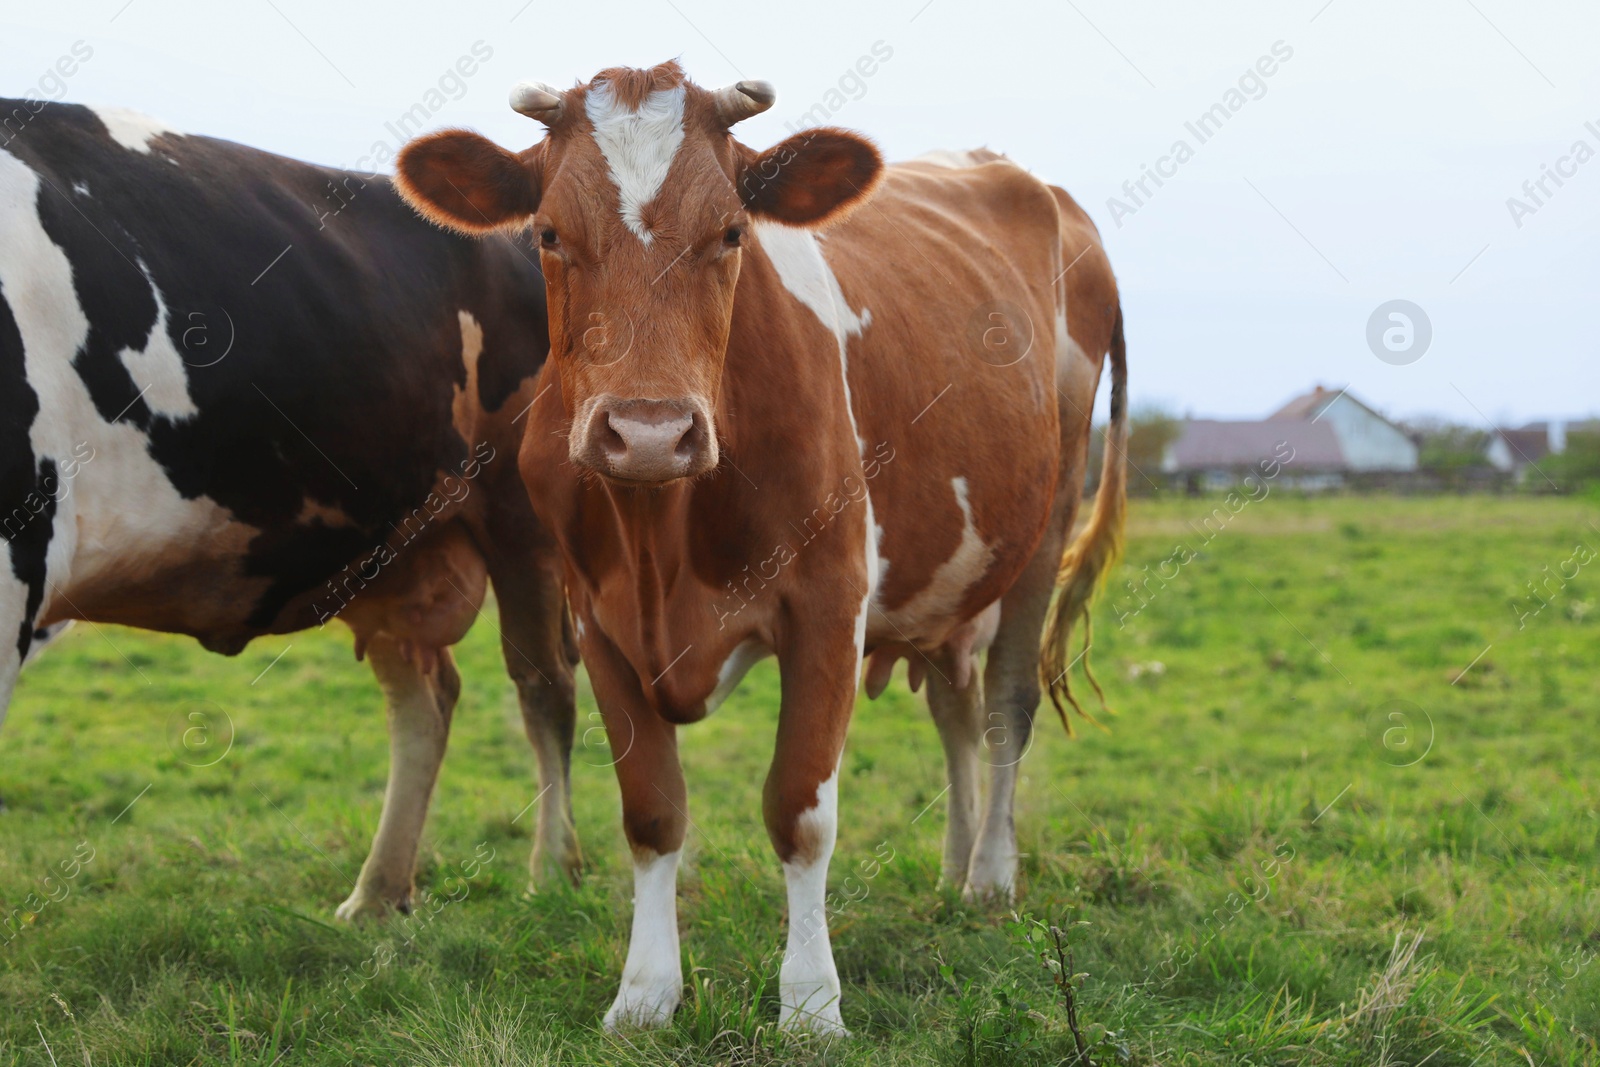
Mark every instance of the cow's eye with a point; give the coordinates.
(548, 239)
(733, 237)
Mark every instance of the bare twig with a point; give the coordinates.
(1067, 977)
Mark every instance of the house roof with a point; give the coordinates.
(1211, 444)
(1305, 407)
(1309, 406)
(1527, 445)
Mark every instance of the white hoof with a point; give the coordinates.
(812, 1008)
(991, 879)
(367, 904)
(824, 1023)
(645, 1005)
(555, 867)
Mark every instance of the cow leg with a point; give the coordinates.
(1011, 696)
(801, 805)
(532, 610)
(35, 556)
(43, 637)
(958, 713)
(21, 607)
(13, 613)
(419, 703)
(655, 819)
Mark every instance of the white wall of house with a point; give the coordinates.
(1370, 442)
(1499, 454)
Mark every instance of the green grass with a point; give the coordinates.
(1256, 754)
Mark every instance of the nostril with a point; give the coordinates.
(611, 440)
(692, 440)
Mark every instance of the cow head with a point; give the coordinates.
(640, 199)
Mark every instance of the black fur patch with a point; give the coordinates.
(27, 511)
(340, 328)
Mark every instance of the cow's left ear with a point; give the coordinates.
(466, 182)
(810, 179)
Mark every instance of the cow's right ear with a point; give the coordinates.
(466, 182)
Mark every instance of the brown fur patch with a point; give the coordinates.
(632, 85)
(465, 182)
(811, 179)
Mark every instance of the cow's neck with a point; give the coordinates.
(697, 568)
(650, 524)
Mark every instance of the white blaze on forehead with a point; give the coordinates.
(130, 129)
(638, 146)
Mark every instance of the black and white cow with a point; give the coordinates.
(243, 395)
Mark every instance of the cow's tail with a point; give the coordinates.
(1088, 560)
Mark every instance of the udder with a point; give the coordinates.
(425, 599)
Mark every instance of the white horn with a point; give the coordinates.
(743, 99)
(537, 101)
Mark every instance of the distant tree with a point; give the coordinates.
(1578, 465)
(1150, 430)
(1447, 448)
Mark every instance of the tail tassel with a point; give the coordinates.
(1088, 561)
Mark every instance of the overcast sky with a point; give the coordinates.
(1373, 164)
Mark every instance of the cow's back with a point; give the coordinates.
(957, 263)
(225, 375)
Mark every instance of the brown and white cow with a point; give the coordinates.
(775, 425)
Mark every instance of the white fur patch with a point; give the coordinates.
(51, 633)
(933, 610)
(464, 406)
(876, 565)
(158, 371)
(652, 978)
(796, 255)
(1074, 367)
(130, 129)
(638, 146)
(471, 343)
(122, 513)
(745, 655)
(808, 982)
(312, 511)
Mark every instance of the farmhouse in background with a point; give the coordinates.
(1515, 451)
(1522, 453)
(1369, 441)
(1332, 433)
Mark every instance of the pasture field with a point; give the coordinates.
(1302, 780)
